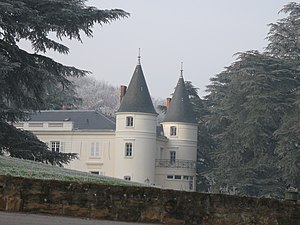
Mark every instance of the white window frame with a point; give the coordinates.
(95, 150)
(173, 131)
(128, 150)
(172, 157)
(129, 121)
(55, 146)
(177, 177)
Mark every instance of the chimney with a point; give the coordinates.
(168, 103)
(123, 92)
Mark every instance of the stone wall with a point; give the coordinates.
(141, 204)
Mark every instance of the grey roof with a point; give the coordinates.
(82, 119)
(180, 109)
(137, 97)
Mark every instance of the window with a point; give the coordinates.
(55, 146)
(127, 178)
(55, 124)
(95, 149)
(128, 149)
(172, 157)
(174, 177)
(177, 177)
(186, 177)
(94, 172)
(35, 124)
(170, 177)
(173, 131)
(191, 185)
(129, 121)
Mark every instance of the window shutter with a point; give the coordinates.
(92, 149)
(62, 147)
(97, 153)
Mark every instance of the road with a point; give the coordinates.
(35, 219)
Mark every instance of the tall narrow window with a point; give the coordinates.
(173, 131)
(95, 149)
(55, 146)
(129, 121)
(172, 157)
(128, 149)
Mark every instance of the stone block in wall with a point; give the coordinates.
(13, 204)
(152, 215)
(104, 213)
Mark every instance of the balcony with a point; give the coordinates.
(181, 164)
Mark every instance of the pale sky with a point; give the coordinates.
(204, 35)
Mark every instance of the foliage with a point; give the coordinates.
(254, 115)
(27, 79)
(25, 145)
(96, 95)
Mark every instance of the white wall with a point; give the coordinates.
(184, 143)
(141, 166)
(80, 142)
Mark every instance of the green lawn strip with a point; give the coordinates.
(29, 169)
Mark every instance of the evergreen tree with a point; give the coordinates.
(26, 79)
(256, 99)
(284, 44)
(254, 115)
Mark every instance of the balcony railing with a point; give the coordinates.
(187, 164)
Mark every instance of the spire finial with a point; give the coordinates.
(181, 70)
(139, 57)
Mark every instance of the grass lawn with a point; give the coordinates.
(29, 169)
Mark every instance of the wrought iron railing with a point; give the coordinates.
(188, 164)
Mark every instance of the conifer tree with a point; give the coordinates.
(25, 77)
(254, 115)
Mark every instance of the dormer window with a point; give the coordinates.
(173, 130)
(129, 121)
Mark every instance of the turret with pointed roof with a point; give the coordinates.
(180, 109)
(135, 139)
(137, 97)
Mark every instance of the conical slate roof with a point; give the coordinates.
(180, 109)
(137, 97)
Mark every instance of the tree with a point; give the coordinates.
(96, 95)
(205, 143)
(257, 95)
(254, 115)
(284, 44)
(25, 77)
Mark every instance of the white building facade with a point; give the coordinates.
(132, 148)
